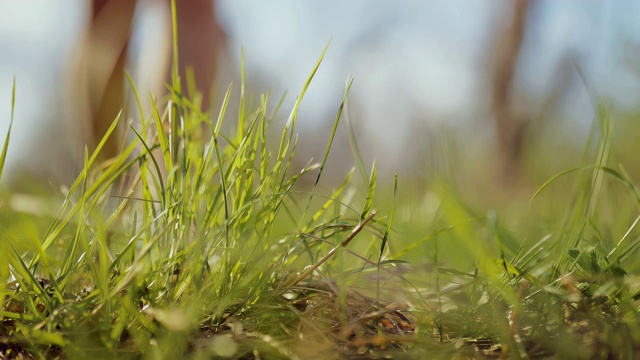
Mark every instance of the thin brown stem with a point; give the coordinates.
(332, 252)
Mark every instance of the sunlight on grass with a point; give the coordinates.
(199, 240)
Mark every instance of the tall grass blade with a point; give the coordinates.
(175, 69)
(353, 143)
(5, 146)
(371, 189)
(327, 150)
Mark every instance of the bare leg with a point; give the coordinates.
(105, 56)
(199, 40)
(109, 32)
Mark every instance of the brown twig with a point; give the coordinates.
(332, 252)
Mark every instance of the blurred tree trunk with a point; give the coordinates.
(510, 130)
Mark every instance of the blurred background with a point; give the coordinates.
(492, 92)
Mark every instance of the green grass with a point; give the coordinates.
(198, 242)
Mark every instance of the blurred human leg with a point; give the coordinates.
(200, 39)
(109, 34)
(108, 40)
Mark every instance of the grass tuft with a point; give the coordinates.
(201, 241)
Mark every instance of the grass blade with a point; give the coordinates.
(5, 146)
